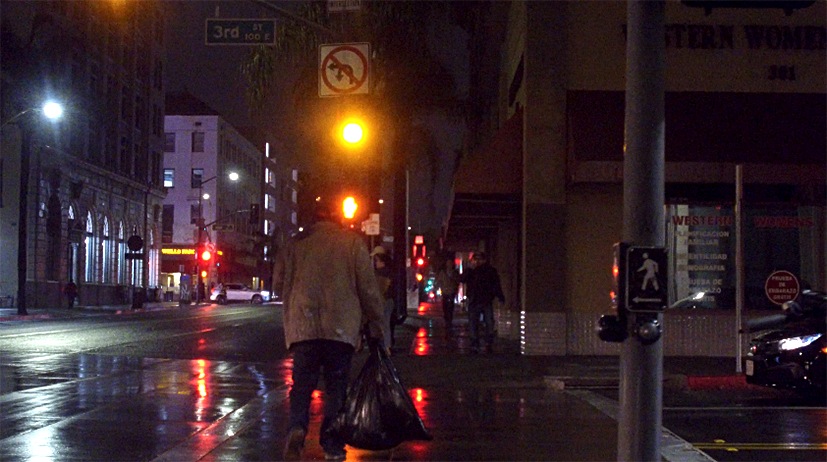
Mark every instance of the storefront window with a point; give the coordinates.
(701, 242)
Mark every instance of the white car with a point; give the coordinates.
(224, 293)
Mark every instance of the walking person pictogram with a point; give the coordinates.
(651, 268)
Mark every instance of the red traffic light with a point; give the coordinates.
(205, 253)
(420, 261)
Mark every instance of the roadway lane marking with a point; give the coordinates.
(742, 408)
(734, 447)
(205, 441)
(672, 447)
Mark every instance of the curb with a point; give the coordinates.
(670, 381)
(719, 382)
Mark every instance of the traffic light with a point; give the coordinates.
(205, 254)
(352, 132)
(255, 214)
(349, 207)
(612, 327)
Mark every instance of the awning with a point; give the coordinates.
(488, 187)
(495, 167)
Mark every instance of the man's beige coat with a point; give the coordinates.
(325, 278)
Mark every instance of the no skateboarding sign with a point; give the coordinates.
(344, 69)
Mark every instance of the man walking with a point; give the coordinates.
(446, 280)
(326, 279)
(482, 283)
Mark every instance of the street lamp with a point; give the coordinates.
(199, 286)
(52, 111)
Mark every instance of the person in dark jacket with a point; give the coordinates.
(482, 284)
(326, 281)
(71, 291)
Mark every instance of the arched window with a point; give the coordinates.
(154, 260)
(106, 253)
(53, 234)
(120, 256)
(72, 253)
(91, 249)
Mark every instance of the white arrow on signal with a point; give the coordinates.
(647, 300)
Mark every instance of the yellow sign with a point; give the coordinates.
(168, 251)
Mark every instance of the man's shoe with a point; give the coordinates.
(335, 454)
(295, 443)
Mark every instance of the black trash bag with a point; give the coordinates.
(378, 413)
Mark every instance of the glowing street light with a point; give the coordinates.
(232, 176)
(52, 111)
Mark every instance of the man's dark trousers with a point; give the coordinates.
(309, 357)
(487, 311)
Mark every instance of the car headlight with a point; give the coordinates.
(795, 343)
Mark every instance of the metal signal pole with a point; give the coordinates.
(641, 363)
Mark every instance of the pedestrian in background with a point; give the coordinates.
(447, 280)
(383, 268)
(325, 278)
(71, 292)
(482, 283)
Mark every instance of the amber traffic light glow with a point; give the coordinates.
(352, 133)
(349, 207)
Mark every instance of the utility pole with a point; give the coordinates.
(641, 362)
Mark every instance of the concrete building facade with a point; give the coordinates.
(201, 150)
(744, 87)
(94, 177)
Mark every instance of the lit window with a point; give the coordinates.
(169, 177)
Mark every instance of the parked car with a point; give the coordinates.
(225, 293)
(792, 354)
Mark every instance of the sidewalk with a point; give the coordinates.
(34, 314)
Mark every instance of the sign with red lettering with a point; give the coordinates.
(781, 286)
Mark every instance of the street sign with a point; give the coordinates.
(372, 225)
(135, 243)
(336, 6)
(344, 69)
(646, 279)
(240, 31)
(781, 286)
(134, 255)
(223, 227)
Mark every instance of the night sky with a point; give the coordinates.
(211, 73)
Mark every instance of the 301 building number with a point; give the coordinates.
(781, 72)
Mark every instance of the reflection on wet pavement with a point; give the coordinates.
(88, 407)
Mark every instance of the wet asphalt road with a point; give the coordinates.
(210, 384)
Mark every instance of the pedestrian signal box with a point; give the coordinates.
(639, 278)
